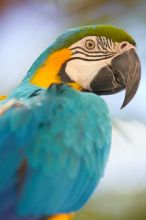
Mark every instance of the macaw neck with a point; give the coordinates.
(44, 72)
(48, 71)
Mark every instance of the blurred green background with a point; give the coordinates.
(27, 27)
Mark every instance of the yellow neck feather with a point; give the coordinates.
(48, 72)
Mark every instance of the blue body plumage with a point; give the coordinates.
(63, 137)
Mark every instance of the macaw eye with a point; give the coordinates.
(90, 44)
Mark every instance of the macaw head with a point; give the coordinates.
(100, 58)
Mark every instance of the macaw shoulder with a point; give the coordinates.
(67, 104)
(82, 99)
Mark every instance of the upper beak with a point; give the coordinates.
(124, 72)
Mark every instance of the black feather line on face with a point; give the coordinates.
(91, 52)
(89, 55)
(81, 58)
(108, 43)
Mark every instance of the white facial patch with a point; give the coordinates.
(89, 55)
(83, 72)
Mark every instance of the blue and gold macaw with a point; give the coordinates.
(55, 131)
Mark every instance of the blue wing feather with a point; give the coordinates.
(64, 136)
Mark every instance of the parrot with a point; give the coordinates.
(56, 129)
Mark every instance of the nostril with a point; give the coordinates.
(123, 45)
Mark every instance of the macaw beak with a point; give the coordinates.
(124, 72)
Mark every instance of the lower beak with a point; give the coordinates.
(124, 72)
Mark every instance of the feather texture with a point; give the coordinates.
(53, 151)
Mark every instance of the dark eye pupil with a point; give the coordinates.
(90, 44)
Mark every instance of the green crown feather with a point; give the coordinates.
(75, 34)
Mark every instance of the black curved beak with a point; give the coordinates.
(124, 72)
